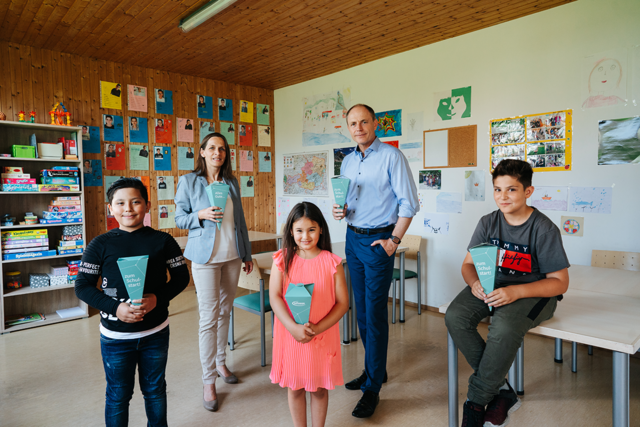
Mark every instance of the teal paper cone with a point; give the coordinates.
(340, 186)
(134, 272)
(298, 299)
(217, 193)
(484, 259)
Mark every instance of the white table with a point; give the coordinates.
(602, 309)
(254, 236)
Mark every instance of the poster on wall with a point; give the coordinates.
(233, 158)
(163, 131)
(225, 109)
(246, 161)
(166, 187)
(186, 158)
(246, 111)
(246, 135)
(264, 159)
(112, 128)
(550, 198)
(228, 130)
(110, 95)
(246, 186)
(572, 226)
(138, 157)
(283, 207)
(305, 174)
(108, 180)
(436, 223)
(90, 139)
(543, 140)
(412, 151)
(137, 99)
(161, 158)
(205, 107)
(324, 118)
(146, 182)
(138, 129)
(449, 202)
(604, 79)
(185, 130)
(453, 104)
(590, 199)
(166, 216)
(619, 141)
(206, 128)
(263, 114)
(164, 101)
(413, 126)
(389, 123)
(264, 136)
(92, 170)
(115, 156)
(474, 186)
(338, 156)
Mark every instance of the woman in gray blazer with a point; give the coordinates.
(216, 255)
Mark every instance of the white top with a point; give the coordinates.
(225, 247)
(132, 335)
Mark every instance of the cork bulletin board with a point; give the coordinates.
(453, 147)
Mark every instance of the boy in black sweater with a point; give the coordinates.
(130, 334)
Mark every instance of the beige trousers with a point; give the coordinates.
(216, 285)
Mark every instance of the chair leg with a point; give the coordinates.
(520, 379)
(574, 357)
(419, 286)
(393, 307)
(231, 337)
(263, 353)
(558, 358)
(590, 350)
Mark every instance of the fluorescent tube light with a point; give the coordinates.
(204, 13)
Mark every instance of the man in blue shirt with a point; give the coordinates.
(381, 202)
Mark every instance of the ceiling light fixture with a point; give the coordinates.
(205, 12)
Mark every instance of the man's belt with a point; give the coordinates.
(372, 230)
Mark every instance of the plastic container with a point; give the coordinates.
(13, 280)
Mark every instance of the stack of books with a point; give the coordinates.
(63, 210)
(14, 179)
(60, 178)
(71, 242)
(70, 148)
(73, 271)
(58, 275)
(21, 244)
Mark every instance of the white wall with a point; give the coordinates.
(527, 66)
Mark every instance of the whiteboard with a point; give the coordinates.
(436, 148)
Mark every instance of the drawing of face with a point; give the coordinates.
(457, 106)
(605, 76)
(444, 109)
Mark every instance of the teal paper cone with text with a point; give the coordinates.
(298, 299)
(340, 186)
(485, 258)
(218, 192)
(134, 272)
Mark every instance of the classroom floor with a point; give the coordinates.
(53, 376)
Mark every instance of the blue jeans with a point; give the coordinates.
(371, 270)
(120, 358)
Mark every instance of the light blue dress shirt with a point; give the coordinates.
(381, 187)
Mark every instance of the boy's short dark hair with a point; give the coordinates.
(127, 183)
(108, 117)
(517, 169)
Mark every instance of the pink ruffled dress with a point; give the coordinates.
(318, 363)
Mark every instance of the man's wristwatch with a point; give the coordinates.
(395, 240)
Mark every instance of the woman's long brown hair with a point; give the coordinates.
(303, 210)
(201, 164)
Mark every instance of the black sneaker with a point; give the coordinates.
(499, 409)
(355, 384)
(472, 414)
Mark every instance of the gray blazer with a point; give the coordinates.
(192, 197)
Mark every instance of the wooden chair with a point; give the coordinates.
(412, 243)
(256, 302)
(604, 259)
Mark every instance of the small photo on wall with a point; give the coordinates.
(163, 131)
(229, 132)
(206, 128)
(246, 135)
(138, 130)
(246, 186)
(90, 139)
(430, 180)
(205, 107)
(161, 158)
(92, 170)
(263, 114)
(186, 158)
(138, 157)
(233, 159)
(166, 187)
(246, 111)
(164, 101)
(185, 130)
(112, 127)
(166, 216)
(137, 99)
(114, 155)
(246, 161)
(225, 109)
(264, 158)
(264, 136)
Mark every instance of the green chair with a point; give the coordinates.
(412, 243)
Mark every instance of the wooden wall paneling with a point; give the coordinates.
(37, 81)
(16, 81)
(6, 104)
(27, 79)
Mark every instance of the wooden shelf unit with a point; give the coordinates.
(28, 300)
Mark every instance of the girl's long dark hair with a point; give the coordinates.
(201, 165)
(303, 210)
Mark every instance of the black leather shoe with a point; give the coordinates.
(357, 383)
(366, 405)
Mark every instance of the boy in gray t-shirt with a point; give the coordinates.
(532, 273)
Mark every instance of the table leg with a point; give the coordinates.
(452, 359)
(402, 287)
(620, 389)
(513, 372)
(354, 312)
(345, 319)
(558, 357)
(574, 357)
(279, 240)
(520, 379)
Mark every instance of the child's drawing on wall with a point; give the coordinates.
(604, 79)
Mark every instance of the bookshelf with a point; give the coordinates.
(45, 300)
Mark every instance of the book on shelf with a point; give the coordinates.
(19, 319)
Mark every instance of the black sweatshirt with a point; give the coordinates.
(100, 259)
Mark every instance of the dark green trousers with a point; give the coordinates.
(492, 359)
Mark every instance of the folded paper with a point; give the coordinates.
(298, 299)
(484, 259)
(340, 186)
(134, 272)
(218, 193)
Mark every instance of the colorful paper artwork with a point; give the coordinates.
(544, 140)
(619, 141)
(206, 128)
(283, 207)
(147, 184)
(264, 159)
(233, 158)
(474, 189)
(389, 123)
(436, 223)
(161, 158)
(138, 130)
(338, 156)
(92, 170)
(225, 109)
(229, 132)
(246, 186)
(412, 151)
(246, 161)
(413, 126)
(112, 128)
(90, 139)
(166, 216)
(115, 156)
(452, 105)
(391, 143)
(246, 135)
(110, 95)
(186, 158)
(590, 199)
(246, 111)
(164, 101)
(572, 226)
(430, 180)
(205, 107)
(165, 186)
(305, 174)
(138, 157)
(264, 136)
(604, 79)
(263, 114)
(550, 198)
(137, 99)
(449, 202)
(185, 130)
(324, 118)
(163, 131)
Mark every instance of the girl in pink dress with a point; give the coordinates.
(307, 357)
